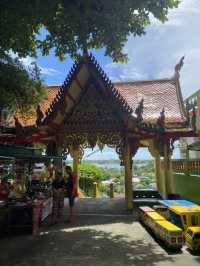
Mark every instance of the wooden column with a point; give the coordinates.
(187, 157)
(198, 114)
(75, 168)
(168, 170)
(154, 153)
(158, 171)
(54, 148)
(128, 177)
(58, 161)
(75, 163)
(75, 154)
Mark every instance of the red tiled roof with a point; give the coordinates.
(157, 94)
(30, 119)
(52, 92)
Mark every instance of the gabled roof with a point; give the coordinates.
(157, 94)
(30, 119)
(87, 70)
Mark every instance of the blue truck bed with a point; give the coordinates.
(177, 203)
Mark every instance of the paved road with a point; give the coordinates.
(102, 234)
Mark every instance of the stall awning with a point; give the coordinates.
(18, 151)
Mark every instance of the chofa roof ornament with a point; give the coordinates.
(161, 121)
(179, 66)
(139, 110)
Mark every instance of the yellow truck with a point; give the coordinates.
(184, 216)
(187, 218)
(192, 238)
(171, 235)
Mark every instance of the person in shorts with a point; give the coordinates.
(58, 191)
(71, 190)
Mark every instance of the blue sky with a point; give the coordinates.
(151, 56)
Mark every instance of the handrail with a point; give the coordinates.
(190, 166)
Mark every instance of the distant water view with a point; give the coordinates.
(115, 164)
(105, 171)
(108, 165)
(143, 173)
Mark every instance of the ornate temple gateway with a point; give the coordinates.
(88, 110)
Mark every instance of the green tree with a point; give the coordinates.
(88, 174)
(20, 89)
(75, 26)
(95, 173)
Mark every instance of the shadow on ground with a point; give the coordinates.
(101, 235)
(80, 246)
(161, 243)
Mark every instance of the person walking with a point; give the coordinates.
(4, 189)
(71, 190)
(58, 191)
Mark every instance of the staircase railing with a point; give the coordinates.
(191, 166)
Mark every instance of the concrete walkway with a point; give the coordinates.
(102, 234)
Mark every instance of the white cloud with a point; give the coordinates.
(123, 72)
(172, 21)
(49, 71)
(155, 54)
(188, 6)
(44, 70)
(27, 61)
(176, 17)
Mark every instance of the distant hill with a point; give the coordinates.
(111, 161)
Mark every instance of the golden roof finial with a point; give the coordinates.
(179, 66)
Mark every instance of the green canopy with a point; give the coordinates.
(27, 153)
(18, 151)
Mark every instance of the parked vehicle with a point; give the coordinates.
(171, 235)
(143, 212)
(152, 218)
(162, 210)
(185, 217)
(164, 206)
(185, 203)
(192, 238)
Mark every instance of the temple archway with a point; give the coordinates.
(88, 109)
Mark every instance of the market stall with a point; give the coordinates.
(28, 210)
(29, 200)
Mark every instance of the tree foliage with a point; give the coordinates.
(20, 88)
(88, 174)
(68, 27)
(95, 173)
(75, 26)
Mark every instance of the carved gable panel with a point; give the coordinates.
(93, 110)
